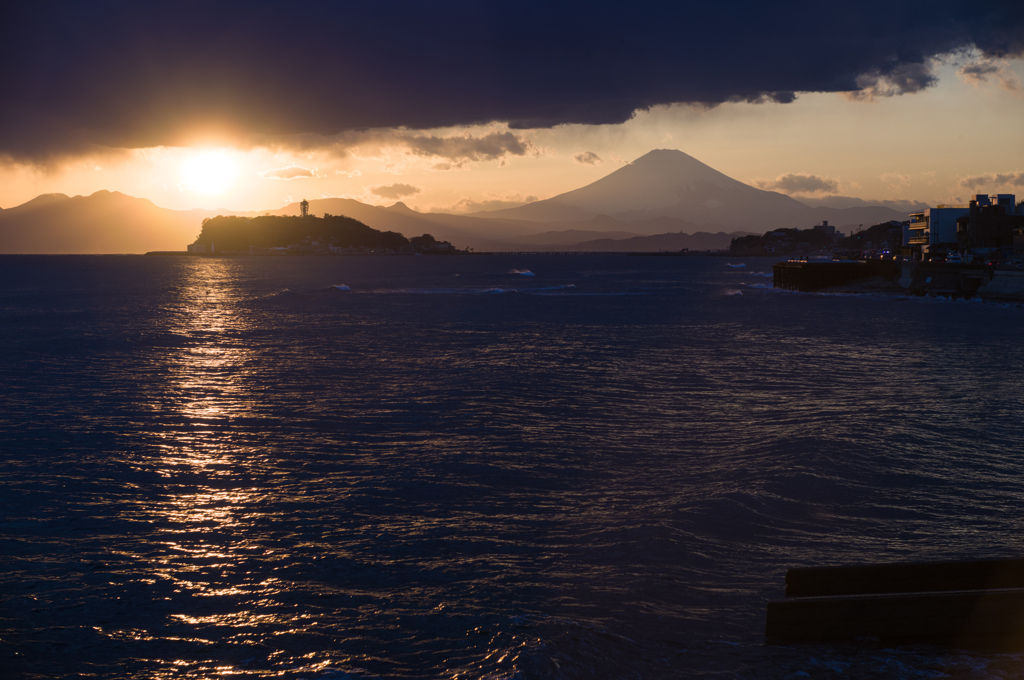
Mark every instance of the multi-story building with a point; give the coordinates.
(934, 226)
(986, 222)
(992, 223)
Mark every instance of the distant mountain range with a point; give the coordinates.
(665, 200)
(666, 183)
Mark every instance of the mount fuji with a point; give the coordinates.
(666, 183)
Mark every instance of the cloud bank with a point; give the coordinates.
(800, 184)
(993, 180)
(290, 172)
(123, 74)
(395, 191)
(492, 202)
(461, 148)
(587, 158)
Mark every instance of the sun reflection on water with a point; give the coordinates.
(210, 496)
(208, 371)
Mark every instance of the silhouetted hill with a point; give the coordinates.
(105, 222)
(461, 230)
(669, 183)
(231, 233)
(482, 233)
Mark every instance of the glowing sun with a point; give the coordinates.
(209, 172)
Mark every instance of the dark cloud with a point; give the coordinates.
(898, 79)
(979, 70)
(800, 184)
(126, 74)
(461, 148)
(986, 70)
(993, 180)
(587, 158)
(395, 191)
(291, 172)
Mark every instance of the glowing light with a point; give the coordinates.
(209, 172)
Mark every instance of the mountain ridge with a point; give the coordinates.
(663, 193)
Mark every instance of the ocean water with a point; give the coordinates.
(480, 466)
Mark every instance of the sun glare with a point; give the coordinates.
(209, 172)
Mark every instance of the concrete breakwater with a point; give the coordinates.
(930, 278)
(967, 281)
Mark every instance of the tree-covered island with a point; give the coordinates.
(306, 235)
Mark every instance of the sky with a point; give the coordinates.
(464, 106)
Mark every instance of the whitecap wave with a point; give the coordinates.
(545, 289)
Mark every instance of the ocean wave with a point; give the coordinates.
(445, 291)
(548, 289)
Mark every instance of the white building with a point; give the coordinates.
(935, 225)
(938, 225)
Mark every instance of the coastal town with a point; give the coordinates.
(975, 249)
